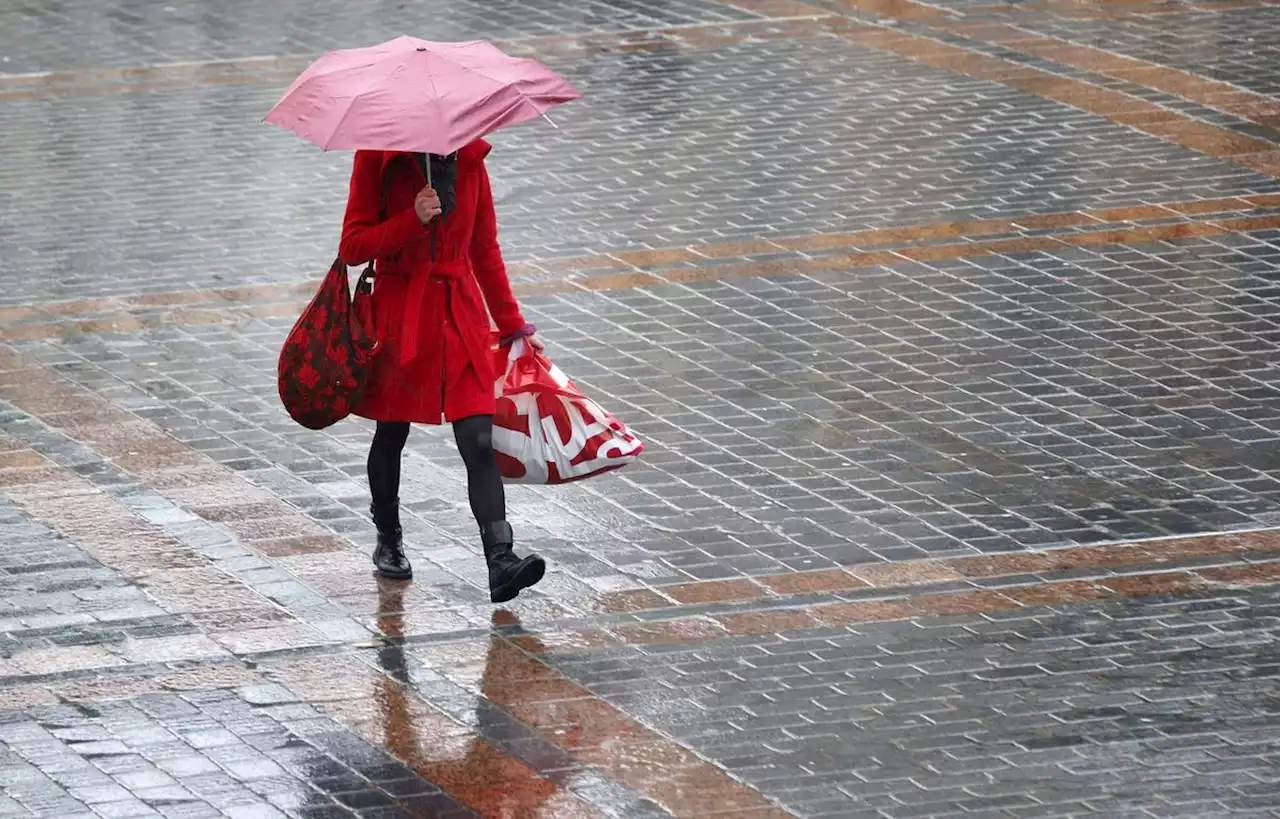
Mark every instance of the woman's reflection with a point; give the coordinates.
(478, 774)
(390, 693)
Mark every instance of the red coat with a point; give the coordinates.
(435, 361)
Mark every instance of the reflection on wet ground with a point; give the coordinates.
(470, 767)
(950, 328)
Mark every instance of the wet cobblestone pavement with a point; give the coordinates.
(951, 329)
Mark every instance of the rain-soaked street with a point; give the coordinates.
(952, 330)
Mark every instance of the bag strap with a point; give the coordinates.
(386, 193)
(366, 278)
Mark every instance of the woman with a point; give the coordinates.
(429, 225)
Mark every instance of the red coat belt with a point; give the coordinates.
(438, 275)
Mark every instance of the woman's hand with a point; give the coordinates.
(534, 343)
(427, 205)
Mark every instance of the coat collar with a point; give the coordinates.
(469, 154)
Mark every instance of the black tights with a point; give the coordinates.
(475, 442)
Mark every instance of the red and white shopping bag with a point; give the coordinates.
(545, 430)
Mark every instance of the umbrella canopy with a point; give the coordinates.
(414, 95)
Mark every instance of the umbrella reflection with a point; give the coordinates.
(471, 769)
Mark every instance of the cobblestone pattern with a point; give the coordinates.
(212, 576)
(357, 734)
(1147, 708)
(1126, 85)
(54, 595)
(254, 495)
(83, 34)
(667, 149)
(254, 571)
(1057, 711)
(714, 261)
(1039, 9)
(255, 755)
(989, 404)
(1226, 45)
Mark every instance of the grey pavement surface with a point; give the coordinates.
(983, 526)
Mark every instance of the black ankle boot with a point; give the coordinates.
(508, 574)
(389, 557)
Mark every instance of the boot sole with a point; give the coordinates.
(529, 575)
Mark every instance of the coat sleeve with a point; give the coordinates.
(364, 236)
(486, 261)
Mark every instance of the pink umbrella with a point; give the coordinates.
(413, 95)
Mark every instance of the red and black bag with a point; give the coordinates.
(327, 357)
